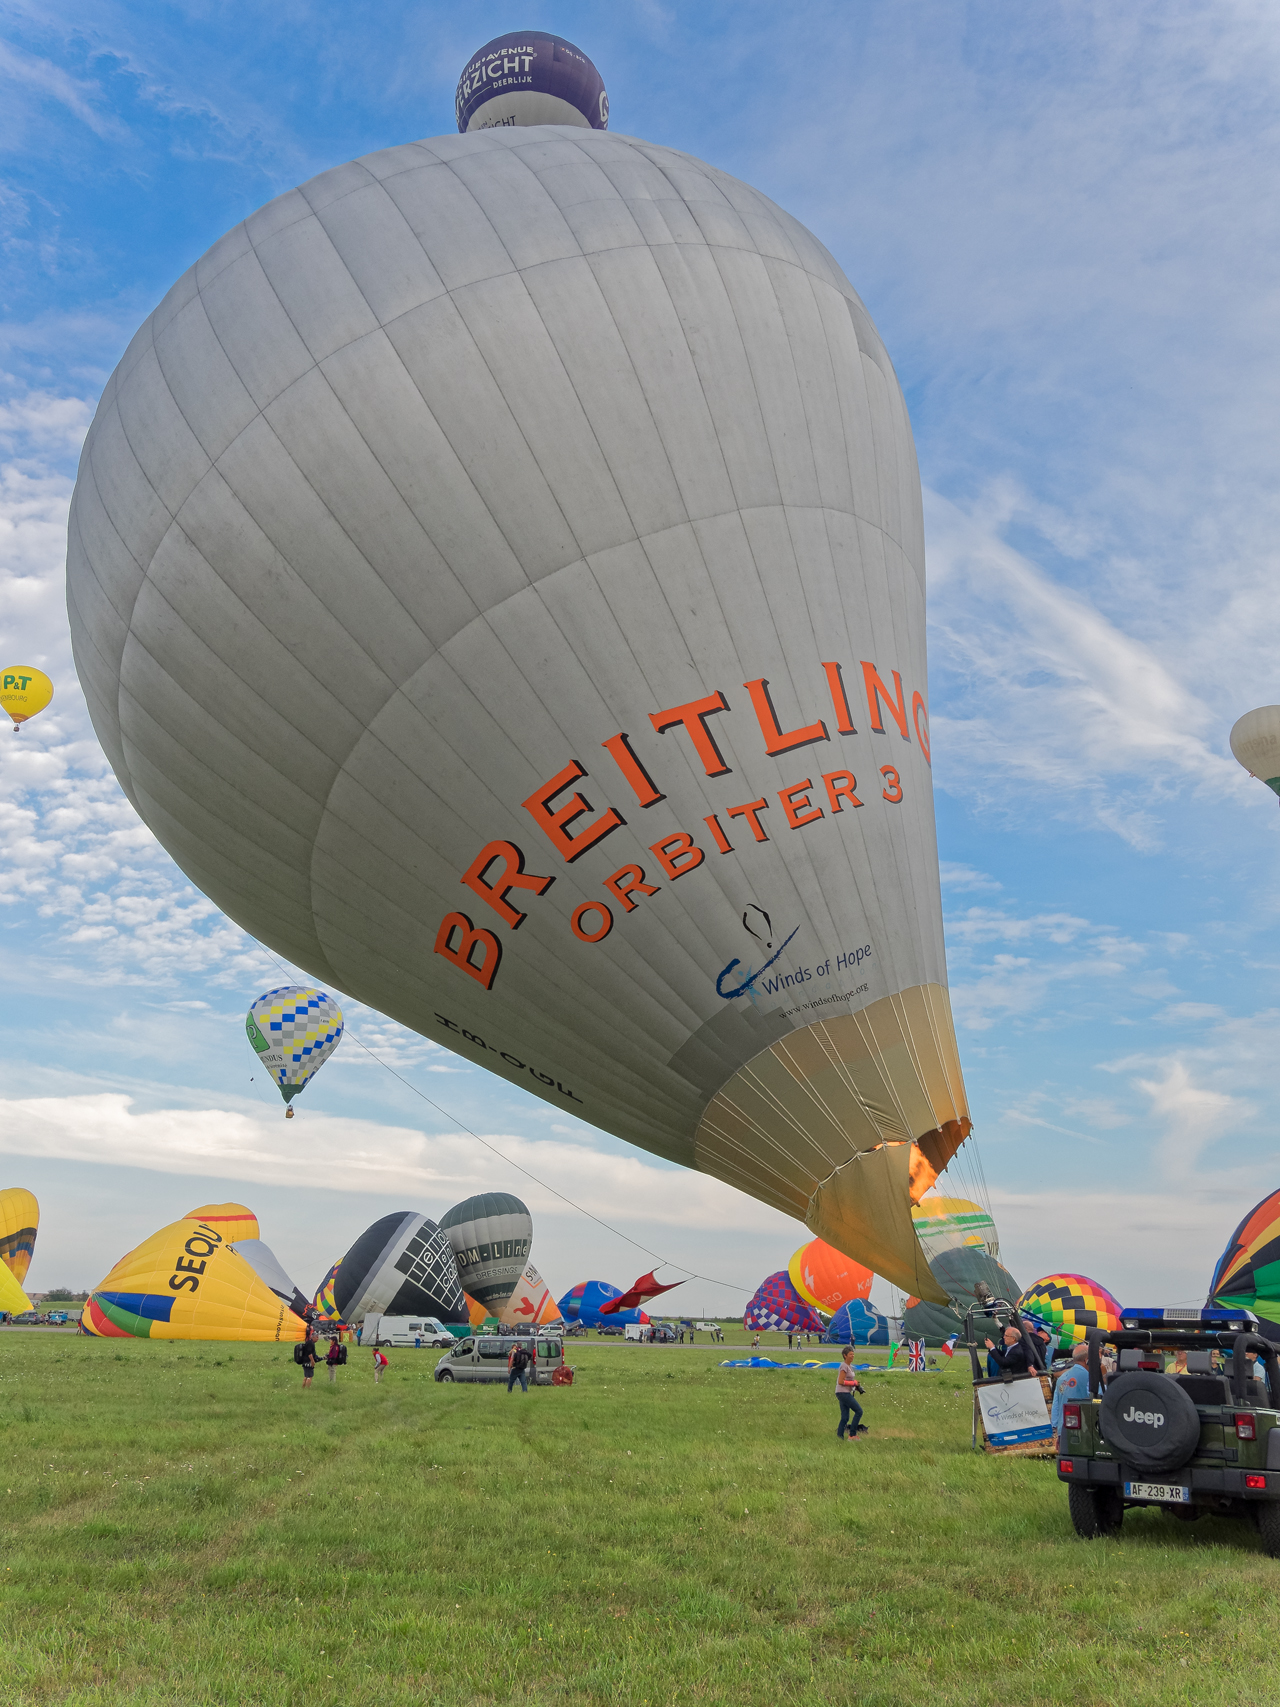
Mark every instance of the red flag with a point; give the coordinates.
(639, 1293)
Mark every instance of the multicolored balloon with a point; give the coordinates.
(490, 1236)
(187, 1283)
(949, 1223)
(1247, 1274)
(19, 1221)
(777, 1305)
(825, 1278)
(582, 1304)
(24, 691)
(294, 1030)
(1067, 1304)
(324, 1303)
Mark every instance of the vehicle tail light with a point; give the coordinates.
(1071, 1416)
(1066, 1466)
(1246, 1428)
(1255, 1481)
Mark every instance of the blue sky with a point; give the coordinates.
(1064, 221)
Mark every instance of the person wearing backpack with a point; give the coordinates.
(333, 1357)
(305, 1354)
(518, 1364)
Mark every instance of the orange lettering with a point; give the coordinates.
(483, 972)
(693, 716)
(839, 699)
(795, 801)
(749, 812)
(643, 786)
(580, 913)
(722, 841)
(555, 825)
(512, 876)
(841, 783)
(776, 740)
(892, 790)
(876, 691)
(635, 880)
(922, 735)
(678, 854)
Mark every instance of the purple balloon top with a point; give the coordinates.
(534, 63)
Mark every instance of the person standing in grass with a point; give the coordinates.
(308, 1358)
(518, 1367)
(333, 1357)
(847, 1390)
(379, 1363)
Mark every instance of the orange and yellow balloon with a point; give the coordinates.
(827, 1279)
(24, 691)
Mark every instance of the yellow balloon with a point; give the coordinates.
(24, 690)
(186, 1283)
(12, 1297)
(19, 1218)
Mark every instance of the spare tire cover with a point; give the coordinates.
(1149, 1421)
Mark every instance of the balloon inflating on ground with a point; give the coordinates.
(549, 500)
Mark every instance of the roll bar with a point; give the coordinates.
(1237, 1346)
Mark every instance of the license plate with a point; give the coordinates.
(1168, 1493)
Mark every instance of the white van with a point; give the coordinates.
(416, 1332)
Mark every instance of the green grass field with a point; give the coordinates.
(183, 1524)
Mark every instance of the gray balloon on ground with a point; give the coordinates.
(496, 574)
(490, 1235)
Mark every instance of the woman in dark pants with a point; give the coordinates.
(847, 1389)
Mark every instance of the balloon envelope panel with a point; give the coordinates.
(825, 1278)
(856, 1323)
(531, 1303)
(490, 1236)
(1067, 1304)
(324, 1301)
(402, 1266)
(960, 1271)
(1247, 1274)
(186, 1282)
(19, 1221)
(551, 500)
(777, 1305)
(529, 78)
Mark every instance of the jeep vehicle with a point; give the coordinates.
(1189, 1422)
(484, 1358)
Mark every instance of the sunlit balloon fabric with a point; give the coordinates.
(825, 1278)
(1068, 1304)
(294, 1030)
(1247, 1275)
(490, 1235)
(549, 499)
(777, 1305)
(13, 1300)
(19, 1221)
(24, 691)
(186, 1283)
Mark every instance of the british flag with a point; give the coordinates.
(916, 1350)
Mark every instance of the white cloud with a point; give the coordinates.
(963, 878)
(347, 1155)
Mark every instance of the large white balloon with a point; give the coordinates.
(496, 572)
(1255, 741)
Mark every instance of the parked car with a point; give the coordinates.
(609, 1328)
(485, 1359)
(1189, 1424)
